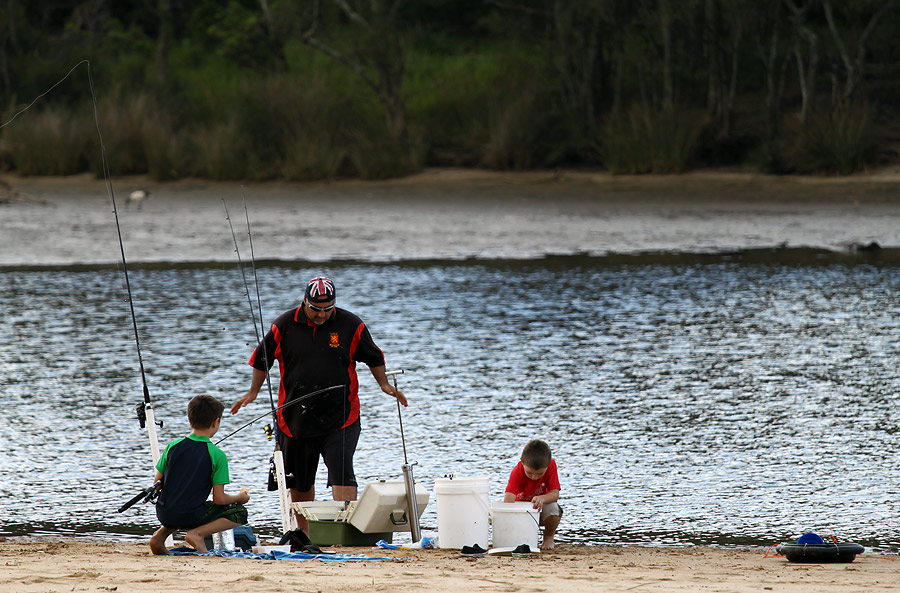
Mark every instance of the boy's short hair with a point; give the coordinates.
(536, 454)
(203, 410)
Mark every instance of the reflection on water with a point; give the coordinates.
(692, 401)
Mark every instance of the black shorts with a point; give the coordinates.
(234, 512)
(301, 458)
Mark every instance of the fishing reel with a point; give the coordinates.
(268, 430)
(141, 410)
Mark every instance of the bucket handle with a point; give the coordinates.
(530, 514)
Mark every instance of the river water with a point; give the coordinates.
(718, 387)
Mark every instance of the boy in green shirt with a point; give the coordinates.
(191, 467)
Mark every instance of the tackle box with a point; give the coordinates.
(328, 524)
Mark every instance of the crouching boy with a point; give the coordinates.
(191, 467)
(534, 479)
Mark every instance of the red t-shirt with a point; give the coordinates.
(526, 489)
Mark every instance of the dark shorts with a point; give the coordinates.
(301, 458)
(233, 512)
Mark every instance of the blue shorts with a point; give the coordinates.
(301, 458)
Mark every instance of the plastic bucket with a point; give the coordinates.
(462, 511)
(515, 523)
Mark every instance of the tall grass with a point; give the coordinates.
(515, 128)
(651, 141)
(54, 141)
(838, 142)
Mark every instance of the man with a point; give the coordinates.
(317, 345)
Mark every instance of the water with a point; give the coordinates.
(704, 400)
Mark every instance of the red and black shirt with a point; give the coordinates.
(312, 357)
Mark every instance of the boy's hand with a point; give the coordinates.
(538, 502)
(244, 496)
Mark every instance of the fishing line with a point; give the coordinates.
(47, 92)
(145, 408)
(259, 307)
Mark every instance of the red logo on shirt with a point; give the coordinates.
(334, 341)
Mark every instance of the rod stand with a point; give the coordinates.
(411, 503)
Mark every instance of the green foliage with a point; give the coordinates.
(500, 85)
(448, 98)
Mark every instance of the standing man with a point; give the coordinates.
(317, 345)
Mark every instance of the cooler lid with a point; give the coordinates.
(383, 507)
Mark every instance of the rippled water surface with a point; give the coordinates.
(695, 401)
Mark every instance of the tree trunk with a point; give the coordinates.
(854, 67)
(668, 74)
(164, 12)
(710, 48)
(806, 71)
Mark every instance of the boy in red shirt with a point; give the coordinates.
(534, 479)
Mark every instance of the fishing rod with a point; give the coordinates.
(147, 494)
(288, 520)
(281, 407)
(237, 251)
(144, 410)
(258, 306)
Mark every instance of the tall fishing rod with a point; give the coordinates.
(144, 409)
(259, 308)
(256, 328)
(288, 520)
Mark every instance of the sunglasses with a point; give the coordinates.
(319, 309)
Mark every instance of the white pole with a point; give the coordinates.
(151, 432)
(288, 519)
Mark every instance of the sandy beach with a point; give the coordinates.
(72, 565)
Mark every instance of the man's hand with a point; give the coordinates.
(246, 399)
(389, 389)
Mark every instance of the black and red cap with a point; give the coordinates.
(320, 290)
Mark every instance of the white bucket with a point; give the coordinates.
(515, 523)
(462, 511)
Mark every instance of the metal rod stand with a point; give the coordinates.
(408, 480)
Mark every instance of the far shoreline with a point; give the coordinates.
(877, 186)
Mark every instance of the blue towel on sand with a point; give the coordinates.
(274, 555)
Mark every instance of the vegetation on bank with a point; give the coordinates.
(283, 89)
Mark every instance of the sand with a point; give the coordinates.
(71, 565)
